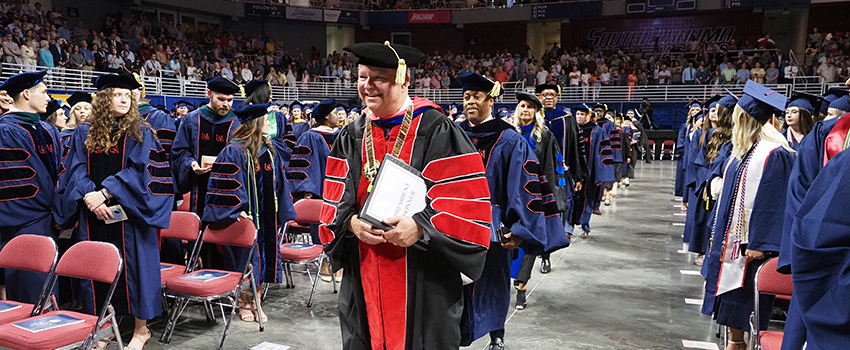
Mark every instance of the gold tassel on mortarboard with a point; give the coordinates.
(401, 71)
(241, 90)
(139, 80)
(496, 90)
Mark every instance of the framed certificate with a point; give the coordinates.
(398, 190)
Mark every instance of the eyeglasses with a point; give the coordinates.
(548, 95)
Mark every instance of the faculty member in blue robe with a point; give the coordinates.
(131, 172)
(598, 158)
(524, 211)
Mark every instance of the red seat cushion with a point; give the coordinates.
(17, 338)
(167, 274)
(217, 286)
(770, 340)
(294, 227)
(300, 252)
(18, 314)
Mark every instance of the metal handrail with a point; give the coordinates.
(178, 86)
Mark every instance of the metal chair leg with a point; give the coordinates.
(315, 281)
(257, 300)
(228, 319)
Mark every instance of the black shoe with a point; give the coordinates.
(520, 299)
(545, 266)
(497, 344)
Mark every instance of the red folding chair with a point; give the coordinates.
(188, 287)
(96, 261)
(768, 281)
(308, 211)
(668, 147)
(30, 253)
(651, 150)
(184, 226)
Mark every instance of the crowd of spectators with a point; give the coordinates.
(32, 37)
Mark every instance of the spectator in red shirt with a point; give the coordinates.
(501, 75)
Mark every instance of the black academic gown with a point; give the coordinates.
(408, 298)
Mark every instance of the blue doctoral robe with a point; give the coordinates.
(820, 261)
(202, 133)
(137, 175)
(161, 123)
(613, 138)
(30, 165)
(681, 146)
(522, 202)
(300, 128)
(265, 198)
(306, 172)
(733, 308)
(570, 142)
(601, 170)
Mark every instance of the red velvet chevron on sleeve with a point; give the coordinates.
(336, 172)
(461, 196)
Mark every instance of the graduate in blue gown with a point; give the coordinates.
(682, 140)
(799, 117)
(691, 174)
(131, 172)
(248, 183)
(307, 168)
(182, 109)
(525, 213)
(300, 121)
(280, 130)
(81, 108)
(820, 256)
(750, 210)
(598, 158)
(203, 132)
(30, 166)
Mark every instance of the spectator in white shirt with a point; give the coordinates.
(246, 73)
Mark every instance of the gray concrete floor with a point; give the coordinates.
(620, 289)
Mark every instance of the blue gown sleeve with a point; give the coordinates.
(531, 206)
(681, 139)
(690, 160)
(284, 142)
(183, 153)
(765, 227)
(285, 208)
(603, 162)
(227, 191)
(74, 183)
(144, 187)
(164, 127)
(306, 170)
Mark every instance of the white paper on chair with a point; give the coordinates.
(45, 323)
(699, 345)
(269, 346)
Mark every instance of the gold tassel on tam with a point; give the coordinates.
(139, 80)
(241, 90)
(496, 90)
(401, 71)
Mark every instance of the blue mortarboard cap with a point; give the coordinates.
(761, 102)
(78, 97)
(476, 82)
(583, 107)
(453, 106)
(340, 108)
(713, 101)
(321, 111)
(602, 106)
(223, 85)
(729, 101)
(253, 85)
(842, 104)
(355, 110)
(249, 112)
(543, 87)
(22, 81)
(118, 81)
(805, 101)
(52, 107)
(830, 96)
(182, 103)
(524, 96)
(503, 113)
(295, 105)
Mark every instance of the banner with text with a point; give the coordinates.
(261, 10)
(337, 16)
(429, 17)
(304, 14)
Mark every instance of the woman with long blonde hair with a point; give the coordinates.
(750, 210)
(530, 123)
(81, 109)
(115, 165)
(247, 182)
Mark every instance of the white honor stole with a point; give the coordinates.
(734, 262)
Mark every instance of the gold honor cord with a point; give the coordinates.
(370, 169)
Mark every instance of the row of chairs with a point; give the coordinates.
(78, 330)
(668, 149)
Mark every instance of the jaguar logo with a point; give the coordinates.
(423, 17)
